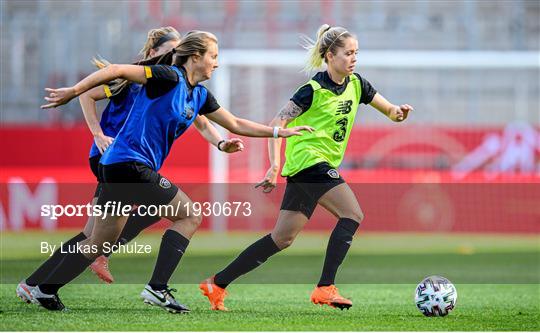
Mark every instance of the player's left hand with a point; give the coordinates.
(232, 145)
(296, 130)
(400, 113)
(270, 180)
(58, 97)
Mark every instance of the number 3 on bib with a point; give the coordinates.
(340, 133)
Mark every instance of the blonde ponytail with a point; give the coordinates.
(328, 39)
(314, 60)
(155, 36)
(100, 62)
(115, 86)
(158, 36)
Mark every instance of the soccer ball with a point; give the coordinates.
(435, 296)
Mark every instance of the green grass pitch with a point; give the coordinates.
(497, 278)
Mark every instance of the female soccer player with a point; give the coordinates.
(328, 102)
(169, 101)
(159, 42)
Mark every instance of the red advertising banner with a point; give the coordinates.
(405, 179)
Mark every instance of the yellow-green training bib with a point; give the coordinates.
(332, 116)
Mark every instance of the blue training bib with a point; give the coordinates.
(115, 114)
(154, 124)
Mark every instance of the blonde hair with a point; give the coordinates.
(154, 37)
(100, 62)
(194, 42)
(329, 39)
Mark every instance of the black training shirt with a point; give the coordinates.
(304, 96)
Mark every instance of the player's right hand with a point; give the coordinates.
(296, 130)
(270, 180)
(58, 97)
(232, 145)
(103, 142)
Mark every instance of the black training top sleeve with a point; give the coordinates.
(118, 98)
(160, 73)
(368, 92)
(210, 105)
(160, 80)
(303, 97)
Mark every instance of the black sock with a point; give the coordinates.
(338, 245)
(253, 256)
(134, 225)
(173, 245)
(71, 266)
(43, 271)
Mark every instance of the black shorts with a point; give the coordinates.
(94, 166)
(304, 189)
(132, 183)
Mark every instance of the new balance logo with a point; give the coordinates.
(344, 107)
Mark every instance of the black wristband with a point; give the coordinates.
(218, 145)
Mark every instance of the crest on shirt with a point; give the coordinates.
(333, 173)
(188, 112)
(165, 183)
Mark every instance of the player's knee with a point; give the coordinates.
(356, 215)
(283, 241)
(194, 221)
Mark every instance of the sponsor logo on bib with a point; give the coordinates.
(344, 107)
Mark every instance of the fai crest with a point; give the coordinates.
(188, 112)
(333, 173)
(165, 183)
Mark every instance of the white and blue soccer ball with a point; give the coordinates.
(435, 296)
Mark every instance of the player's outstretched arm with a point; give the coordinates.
(282, 119)
(88, 105)
(210, 134)
(250, 128)
(62, 96)
(394, 112)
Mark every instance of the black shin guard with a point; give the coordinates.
(256, 254)
(71, 266)
(173, 245)
(43, 271)
(338, 245)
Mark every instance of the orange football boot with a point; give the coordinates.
(216, 295)
(101, 268)
(329, 295)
